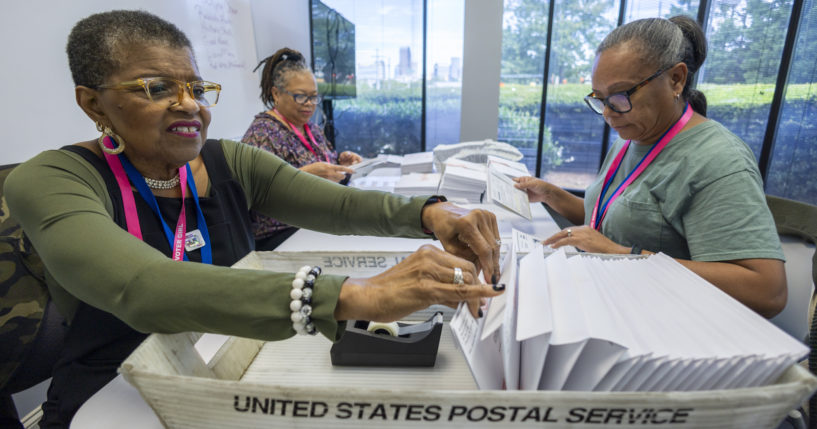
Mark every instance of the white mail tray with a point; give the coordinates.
(292, 384)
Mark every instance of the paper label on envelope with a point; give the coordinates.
(501, 191)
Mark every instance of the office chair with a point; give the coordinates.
(24, 363)
(797, 225)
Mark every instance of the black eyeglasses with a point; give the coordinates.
(620, 101)
(303, 98)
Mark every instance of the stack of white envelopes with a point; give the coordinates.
(420, 162)
(590, 323)
(463, 180)
(417, 184)
(367, 165)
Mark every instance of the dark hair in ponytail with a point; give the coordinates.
(693, 54)
(664, 43)
(276, 66)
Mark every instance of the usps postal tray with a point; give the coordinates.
(292, 383)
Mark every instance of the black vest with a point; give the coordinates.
(97, 342)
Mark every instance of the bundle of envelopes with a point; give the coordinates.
(463, 180)
(507, 167)
(592, 323)
(420, 162)
(367, 165)
(475, 151)
(412, 184)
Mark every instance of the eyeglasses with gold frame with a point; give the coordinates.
(160, 89)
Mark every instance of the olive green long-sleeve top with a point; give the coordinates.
(64, 207)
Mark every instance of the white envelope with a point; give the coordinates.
(534, 322)
(570, 334)
(483, 357)
(501, 191)
(652, 346)
(604, 348)
(510, 346)
(523, 243)
(495, 308)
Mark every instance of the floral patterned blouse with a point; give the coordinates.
(268, 133)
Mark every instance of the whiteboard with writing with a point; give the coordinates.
(38, 110)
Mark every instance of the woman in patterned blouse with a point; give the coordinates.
(289, 90)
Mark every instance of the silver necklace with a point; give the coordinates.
(162, 184)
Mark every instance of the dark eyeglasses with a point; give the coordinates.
(620, 101)
(303, 98)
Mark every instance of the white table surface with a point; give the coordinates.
(119, 404)
(542, 226)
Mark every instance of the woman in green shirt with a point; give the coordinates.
(675, 182)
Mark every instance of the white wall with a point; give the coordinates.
(482, 53)
(277, 27)
(37, 106)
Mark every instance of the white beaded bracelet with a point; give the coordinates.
(301, 304)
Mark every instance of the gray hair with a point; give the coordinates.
(96, 42)
(663, 43)
(277, 68)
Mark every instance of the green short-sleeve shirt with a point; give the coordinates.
(702, 199)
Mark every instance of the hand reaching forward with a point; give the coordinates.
(348, 157)
(332, 172)
(470, 234)
(426, 277)
(585, 238)
(538, 190)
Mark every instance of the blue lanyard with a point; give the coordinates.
(604, 192)
(139, 182)
(613, 176)
(599, 212)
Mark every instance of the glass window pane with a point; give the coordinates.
(638, 9)
(444, 71)
(385, 115)
(791, 173)
(738, 78)
(572, 143)
(524, 37)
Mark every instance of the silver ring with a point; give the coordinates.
(498, 242)
(458, 280)
(569, 232)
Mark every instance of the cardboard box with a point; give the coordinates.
(291, 383)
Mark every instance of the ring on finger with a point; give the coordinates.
(458, 279)
(569, 232)
(498, 242)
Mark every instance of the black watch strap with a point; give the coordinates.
(431, 200)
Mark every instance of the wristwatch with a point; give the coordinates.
(431, 200)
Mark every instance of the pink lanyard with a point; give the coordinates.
(131, 216)
(181, 224)
(301, 136)
(597, 218)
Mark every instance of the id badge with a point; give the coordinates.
(193, 240)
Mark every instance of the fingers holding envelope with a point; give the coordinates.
(428, 276)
